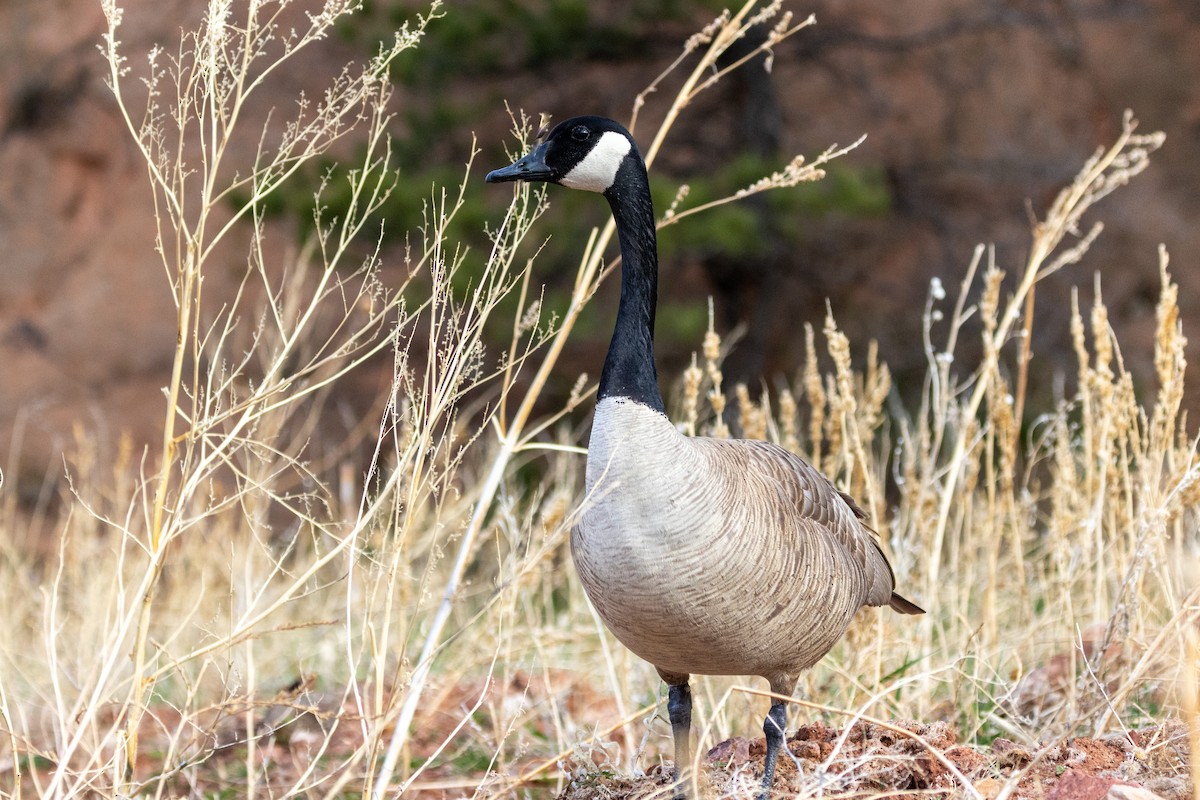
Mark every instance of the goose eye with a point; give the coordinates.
(580, 132)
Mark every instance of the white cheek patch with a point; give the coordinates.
(599, 167)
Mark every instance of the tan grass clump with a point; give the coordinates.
(1084, 527)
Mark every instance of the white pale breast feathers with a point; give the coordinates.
(598, 169)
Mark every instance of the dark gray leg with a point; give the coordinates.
(774, 727)
(679, 708)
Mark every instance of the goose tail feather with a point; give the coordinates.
(904, 606)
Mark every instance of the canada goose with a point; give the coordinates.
(707, 556)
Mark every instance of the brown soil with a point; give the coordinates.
(870, 760)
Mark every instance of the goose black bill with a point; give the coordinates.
(529, 168)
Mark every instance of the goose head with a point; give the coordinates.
(580, 153)
(597, 154)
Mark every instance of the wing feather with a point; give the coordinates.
(807, 503)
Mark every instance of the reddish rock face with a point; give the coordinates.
(970, 114)
(86, 321)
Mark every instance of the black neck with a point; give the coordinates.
(629, 368)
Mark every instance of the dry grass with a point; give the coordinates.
(238, 614)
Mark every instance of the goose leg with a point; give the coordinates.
(773, 728)
(679, 708)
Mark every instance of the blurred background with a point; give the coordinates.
(976, 113)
